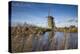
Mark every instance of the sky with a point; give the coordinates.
(36, 14)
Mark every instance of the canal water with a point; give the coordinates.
(60, 41)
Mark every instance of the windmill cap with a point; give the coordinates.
(51, 17)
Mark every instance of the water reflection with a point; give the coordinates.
(56, 42)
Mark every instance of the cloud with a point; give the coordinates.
(72, 20)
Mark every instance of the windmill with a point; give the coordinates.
(50, 20)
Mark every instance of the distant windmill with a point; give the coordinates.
(50, 20)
